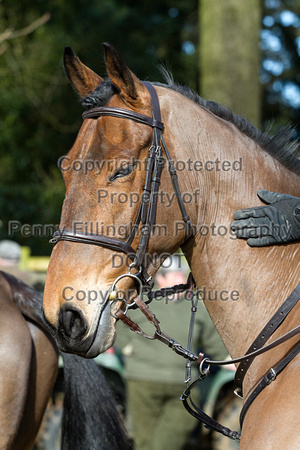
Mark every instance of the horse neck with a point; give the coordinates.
(219, 261)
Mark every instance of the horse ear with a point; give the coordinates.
(131, 88)
(82, 78)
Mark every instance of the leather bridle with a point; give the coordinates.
(146, 218)
(147, 211)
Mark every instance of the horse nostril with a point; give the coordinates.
(72, 322)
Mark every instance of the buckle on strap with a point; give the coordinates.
(238, 392)
(270, 376)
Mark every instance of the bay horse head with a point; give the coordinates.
(114, 163)
(121, 200)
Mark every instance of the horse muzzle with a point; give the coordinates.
(73, 334)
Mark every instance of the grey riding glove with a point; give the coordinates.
(276, 223)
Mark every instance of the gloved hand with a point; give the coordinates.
(277, 223)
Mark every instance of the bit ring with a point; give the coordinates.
(117, 300)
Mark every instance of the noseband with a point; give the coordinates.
(147, 211)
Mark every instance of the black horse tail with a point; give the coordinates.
(91, 420)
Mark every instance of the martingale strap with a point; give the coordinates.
(200, 358)
(208, 421)
(264, 335)
(268, 378)
(190, 356)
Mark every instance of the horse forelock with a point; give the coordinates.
(101, 95)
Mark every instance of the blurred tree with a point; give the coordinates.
(11, 33)
(40, 112)
(280, 71)
(29, 129)
(229, 54)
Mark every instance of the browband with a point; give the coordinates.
(122, 114)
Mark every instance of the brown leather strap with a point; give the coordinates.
(159, 334)
(153, 175)
(132, 325)
(268, 378)
(152, 208)
(179, 349)
(94, 239)
(258, 352)
(174, 179)
(175, 346)
(122, 113)
(208, 421)
(147, 313)
(163, 337)
(265, 334)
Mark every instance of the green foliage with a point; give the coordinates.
(41, 114)
(280, 44)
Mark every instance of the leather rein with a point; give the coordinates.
(146, 218)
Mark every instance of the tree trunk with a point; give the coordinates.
(230, 54)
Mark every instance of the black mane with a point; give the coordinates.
(281, 146)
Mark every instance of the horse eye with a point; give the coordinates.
(122, 172)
